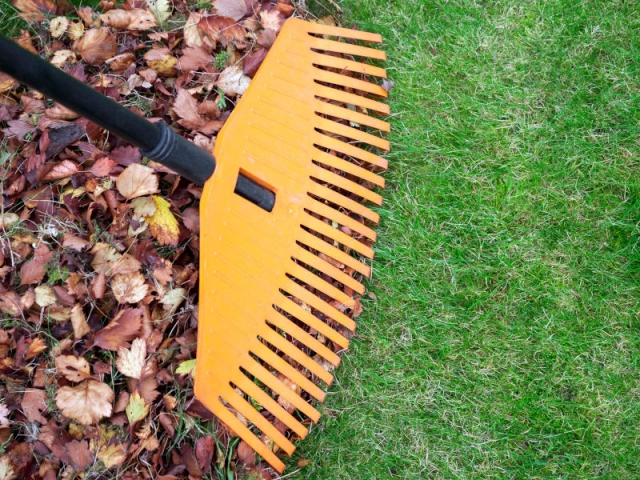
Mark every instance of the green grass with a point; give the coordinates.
(504, 341)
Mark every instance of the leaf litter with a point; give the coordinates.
(99, 249)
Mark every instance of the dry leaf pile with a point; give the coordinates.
(99, 251)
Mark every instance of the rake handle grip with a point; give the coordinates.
(156, 142)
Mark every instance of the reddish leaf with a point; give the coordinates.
(125, 156)
(236, 9)
(19, 128)
(33, 402)
(204, 452)
(80, 455)
(31, 272)
(186, 108)
(253, 61)
(33, 10)
(223, 30)
(194, 58)
(121, 330)
(64, 169)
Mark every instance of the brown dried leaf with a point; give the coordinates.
(135, 19)
(186, 108)
(271, 18)
(192, 36)
(194, 58)
(33, 402)
(232, 81)
(222, 29)
(79, 322)
(102, 167)
(96, 46)
(137, 180)
(253, 61)
(45, 295)
(80, 455)
(64, 169)
(130, 361)
(58, 26)
(85, 403)
(74, 369)
(99, 286)
(32, 272)
(60, 112)
(33, 10)
(75, 243)
(121, 62)
(204, 452)
(121, 330)
(246, 454)
(161, 60)
(129, 287)
(236, 9)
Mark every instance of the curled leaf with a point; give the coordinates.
(96, 46)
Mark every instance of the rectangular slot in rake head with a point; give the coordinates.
(276, 287)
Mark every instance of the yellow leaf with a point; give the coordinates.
(163, 225)
(75, 30)
(113, 455)
(58, 26)
(137, 409)
(160, 8)
(45, 295)
(187, 367)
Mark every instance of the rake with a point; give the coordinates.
(280, 221)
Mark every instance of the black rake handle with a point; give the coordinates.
(156, 141)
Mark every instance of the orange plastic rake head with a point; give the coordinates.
(274, 285)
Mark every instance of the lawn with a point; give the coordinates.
(503, 338)
(500, 335)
